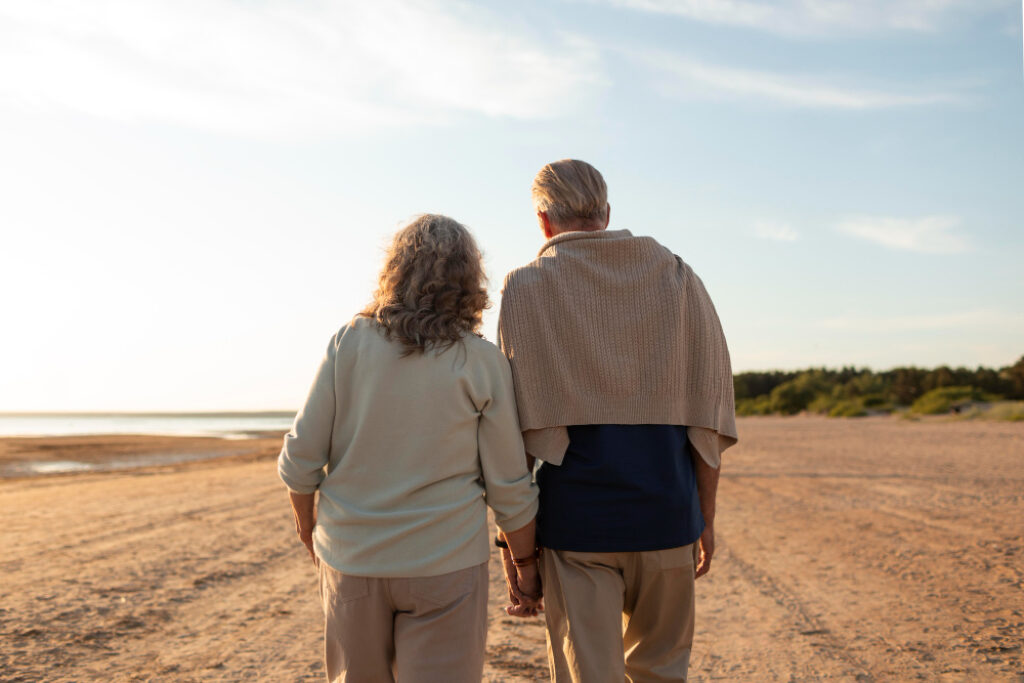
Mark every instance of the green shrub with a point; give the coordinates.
(1010, 412)
(848, 408)
(941, 400)
(877, 402)
(1004, 411)
(822, 404)
(864, 384)
(795, 395)
(753, 406)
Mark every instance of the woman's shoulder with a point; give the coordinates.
(355, 331)
(474, 351)
(358, 323)
(478, 345)
(484, 355)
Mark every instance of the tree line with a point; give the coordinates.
(852, 391)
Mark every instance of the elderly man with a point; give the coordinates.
(624, 389)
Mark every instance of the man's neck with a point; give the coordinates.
(577, 228)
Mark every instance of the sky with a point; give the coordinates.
(196, 194)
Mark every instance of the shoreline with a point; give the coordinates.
(46, 456)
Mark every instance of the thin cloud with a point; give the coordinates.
(279, 68)
(926, 235)
(687, 78)
(822, 17)
(778, 232)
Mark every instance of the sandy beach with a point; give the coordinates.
(865, 550)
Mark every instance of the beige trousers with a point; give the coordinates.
(619, 616)
(415, 630)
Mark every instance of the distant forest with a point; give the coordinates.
(852, 392)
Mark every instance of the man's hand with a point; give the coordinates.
(524, 589)
(707, 489)
(707, 550)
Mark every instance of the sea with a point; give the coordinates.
(224, 425)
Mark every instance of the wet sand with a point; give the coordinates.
(872, 549)
(30, 456)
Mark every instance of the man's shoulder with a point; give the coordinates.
(631, 250)
(670, 259)
(526, 276)
(651, 246)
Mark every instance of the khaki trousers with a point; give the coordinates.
(615, 617)
(416, 630)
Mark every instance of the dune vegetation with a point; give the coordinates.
(985, 393)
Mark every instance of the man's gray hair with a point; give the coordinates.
(571, 192)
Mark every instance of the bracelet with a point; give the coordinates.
(500, 543)
(526, 561)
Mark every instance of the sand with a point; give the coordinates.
(872, 549)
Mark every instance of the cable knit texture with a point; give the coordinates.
(607, 328)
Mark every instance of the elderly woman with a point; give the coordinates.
(410, 430)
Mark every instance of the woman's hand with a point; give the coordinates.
(306, 536)
(524, 587)
(304, 509)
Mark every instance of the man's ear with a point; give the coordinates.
(545, 224)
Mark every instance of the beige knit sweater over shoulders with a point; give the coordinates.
(608, 328)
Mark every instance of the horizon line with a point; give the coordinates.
(148, 413)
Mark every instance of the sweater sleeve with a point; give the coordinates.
(707, 443)
(508, 484)
(307, 447)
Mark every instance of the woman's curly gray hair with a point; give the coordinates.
(431, 291)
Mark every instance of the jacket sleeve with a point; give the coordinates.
(508, 484)
(307, 447)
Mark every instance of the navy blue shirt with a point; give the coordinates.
(620, 488)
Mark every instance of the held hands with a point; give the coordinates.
(524, 589)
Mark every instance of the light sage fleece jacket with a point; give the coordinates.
(406, 453)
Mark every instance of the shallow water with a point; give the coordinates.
(231, 426)
(28, 468)
(224, 425)
(51, 467)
